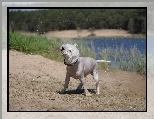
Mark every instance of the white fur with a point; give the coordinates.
(79, 67)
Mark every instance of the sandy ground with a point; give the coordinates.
(35, 82)
(86, 33)
(69, 34)
(20, 82)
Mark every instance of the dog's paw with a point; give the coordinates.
(62, 91)
(88, 94)
(97, 93)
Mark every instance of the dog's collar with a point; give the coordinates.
(70, 64)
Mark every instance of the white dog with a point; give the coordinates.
(79, 67)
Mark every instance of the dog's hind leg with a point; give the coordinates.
(83, 81)
(79, 86)
(95, 76)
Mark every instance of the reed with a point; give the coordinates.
(126, 60)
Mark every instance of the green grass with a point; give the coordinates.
(36, 45)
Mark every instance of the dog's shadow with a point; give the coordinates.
(92, 91)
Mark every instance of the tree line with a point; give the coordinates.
(44, 20)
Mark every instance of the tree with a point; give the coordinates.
(133, 20)
(24, 27)
(144, 26)
(12, 26)
(131, 25)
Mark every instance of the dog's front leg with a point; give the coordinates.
(67, 79)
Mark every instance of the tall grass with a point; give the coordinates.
(132, 60)
(126, 60)
(36, 45)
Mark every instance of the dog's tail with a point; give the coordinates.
(103, 61)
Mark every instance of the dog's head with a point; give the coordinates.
(70, 53)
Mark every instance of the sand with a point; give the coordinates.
(70, 34)
(85, 33)
(21, 64)
(35, 83)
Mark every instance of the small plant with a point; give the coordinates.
(105, 56)
(91, 30)
(79, 30)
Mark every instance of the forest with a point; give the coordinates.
(44, 20)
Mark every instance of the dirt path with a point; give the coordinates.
(35, 82)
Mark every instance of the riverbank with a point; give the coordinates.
(103, 33)
(70, 34)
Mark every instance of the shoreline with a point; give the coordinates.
(101, 33)
(107, 37)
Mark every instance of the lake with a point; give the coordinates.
(127, 43)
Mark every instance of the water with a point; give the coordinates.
(127, 43)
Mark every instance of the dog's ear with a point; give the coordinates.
(62, 48)
(63, 44)
(75, 45)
